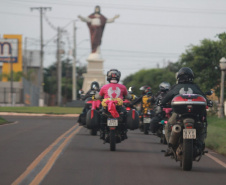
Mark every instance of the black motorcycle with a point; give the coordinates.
(113, 122)
(90, 104)
(183, 141)
(165, 115)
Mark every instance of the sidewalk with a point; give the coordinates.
(35, 114)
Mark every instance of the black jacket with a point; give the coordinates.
(188, 88)
(89, 93)
(159, 96)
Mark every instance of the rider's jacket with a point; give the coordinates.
(185, 88)
(113, 90)
(88, 94)
(146, 103)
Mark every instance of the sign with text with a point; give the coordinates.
(9, 50)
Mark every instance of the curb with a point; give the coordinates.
(33, 114)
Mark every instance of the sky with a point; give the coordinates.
(148, 33)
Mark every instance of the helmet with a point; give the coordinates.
(94, 85)
(146, 90)
(185, 74)
(131, 90)
(113, 74)
(164, 86)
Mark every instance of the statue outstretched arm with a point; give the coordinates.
(84, 19)
(112, 19)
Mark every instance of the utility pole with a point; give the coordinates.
(41, 95)
(26, 56)
(11, 81)
(59, 68)
(74, 76)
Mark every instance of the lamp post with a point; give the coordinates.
(221, 105)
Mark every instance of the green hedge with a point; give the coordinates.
(216, 134)
(43, 110)
(3, 121)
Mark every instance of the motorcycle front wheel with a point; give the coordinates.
(187, 156)
(112, 140)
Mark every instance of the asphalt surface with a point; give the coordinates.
(85, 160)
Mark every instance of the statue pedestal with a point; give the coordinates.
(94, 72)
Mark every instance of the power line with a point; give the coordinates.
(132, 7)
(126, 23)
(127, 51)
(167, 25)
(49, 23)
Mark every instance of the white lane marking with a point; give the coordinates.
(216, 160)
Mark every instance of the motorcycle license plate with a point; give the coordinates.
(147, 120)
(112, 122)
(189, 134)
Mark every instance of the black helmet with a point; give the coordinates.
(185, 74)
(146, 90)
(113, 74)
(164, 86)
(95, 86)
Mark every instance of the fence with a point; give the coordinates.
(31, 93)
(11, 96)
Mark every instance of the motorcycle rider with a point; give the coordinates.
(184, 85)
(146, 99)
(158, 112)
(114, 90)
(94, 87)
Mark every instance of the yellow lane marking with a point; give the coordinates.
(216, 160)
(40, 157)
(50, 163)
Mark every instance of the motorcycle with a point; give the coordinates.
(127, 104)
(89, 105)
(114, 122)
(145, 120)
(161, 130)
(94, 105)
(183, 141)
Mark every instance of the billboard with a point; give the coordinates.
(9, 50)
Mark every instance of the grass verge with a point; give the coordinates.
(216, 134)
(43, 110)
(3, 121)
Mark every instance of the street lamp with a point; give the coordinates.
(221, 105)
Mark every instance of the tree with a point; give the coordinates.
(16, 76)
(204, 59)
(150, 77)
(50, 79)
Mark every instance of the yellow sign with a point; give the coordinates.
(8, 50)
(16, 66)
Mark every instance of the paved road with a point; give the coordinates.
(56, 151)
